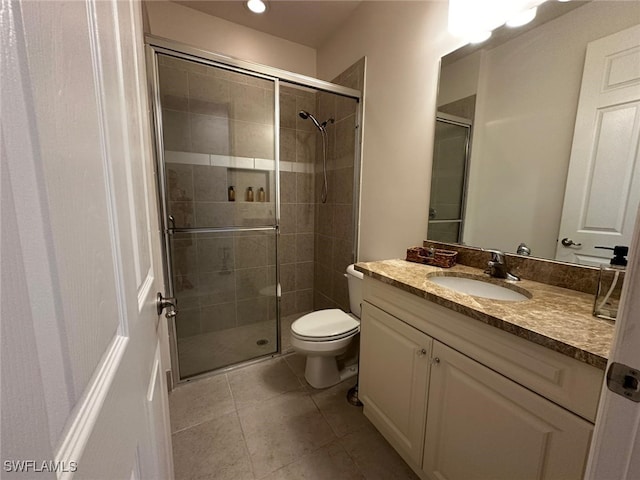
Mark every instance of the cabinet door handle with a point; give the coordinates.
(422, 352)
(436, 361)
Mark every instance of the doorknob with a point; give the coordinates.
(170, 303)
(567, 242)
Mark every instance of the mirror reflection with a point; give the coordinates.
(537, 135)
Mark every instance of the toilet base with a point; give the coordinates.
(322, 371)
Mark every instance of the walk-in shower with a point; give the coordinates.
(248, 248)
(322, 127)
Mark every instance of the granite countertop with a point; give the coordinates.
(554, 317)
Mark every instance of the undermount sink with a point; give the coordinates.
(479, 288)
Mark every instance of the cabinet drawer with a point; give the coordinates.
(563, 380)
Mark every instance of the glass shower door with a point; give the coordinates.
(448, 181)
(219, 174)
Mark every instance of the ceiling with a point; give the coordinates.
(308, 22)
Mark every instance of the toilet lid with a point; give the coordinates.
(325, 323)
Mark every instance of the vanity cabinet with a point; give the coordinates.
(393, 379)
(483, 425)
(461, 400)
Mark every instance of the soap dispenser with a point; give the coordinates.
(610, 283)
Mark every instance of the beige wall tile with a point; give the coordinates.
(180, 182)
(287, 187)
(250, 251)
(183, 213)
(215, 254)
(214, 214)
(305, 247)
(216, 287)
(210, 183)
(250, 281)
(210, 134)
(252, 139)
(304, 217)
(304, 275)
(176, 130)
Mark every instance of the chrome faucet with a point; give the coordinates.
(497, 266)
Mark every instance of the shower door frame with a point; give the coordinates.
(158, 45)
(468, 125)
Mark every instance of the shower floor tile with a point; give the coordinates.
(264, 422)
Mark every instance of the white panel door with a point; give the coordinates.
(603, 183)
(84, 246)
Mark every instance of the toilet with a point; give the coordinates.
(325, 334)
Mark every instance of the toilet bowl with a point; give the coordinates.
(324, 334)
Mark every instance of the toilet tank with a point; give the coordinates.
(354, 280)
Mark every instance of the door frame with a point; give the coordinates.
(157, 45)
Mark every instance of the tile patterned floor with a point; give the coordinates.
(265, 422)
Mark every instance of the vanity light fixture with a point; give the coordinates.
(472, 19)
(479, 37)
(256, 6)
(522, 18)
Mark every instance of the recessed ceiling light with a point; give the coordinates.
(256, 6)
(522, 18)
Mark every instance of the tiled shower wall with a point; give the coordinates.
(334, 232)
(210, 114)
(297, 147)
(218, 131)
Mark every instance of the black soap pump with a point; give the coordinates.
(610, 283)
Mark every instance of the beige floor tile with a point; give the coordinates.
(200, 401)
(212, 450)
(328, 463)
(297, 364)
(343, 417)
(257, 383)
(375, 458)
(281, 430)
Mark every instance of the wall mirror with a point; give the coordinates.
(527, 147)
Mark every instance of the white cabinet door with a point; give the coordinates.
(481, 425)
(394, 372)
(603, 182)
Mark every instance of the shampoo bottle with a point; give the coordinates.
(610, 283)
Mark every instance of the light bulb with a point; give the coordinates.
(522, 18)
(479, 37)
(256, 6)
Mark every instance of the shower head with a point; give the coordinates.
(305, 115)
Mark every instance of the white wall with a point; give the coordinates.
(525, 114)
(186, 25)
(459, 79)
(403, 42)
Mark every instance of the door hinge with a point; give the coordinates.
(624, 380)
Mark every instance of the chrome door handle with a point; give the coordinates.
(567, 242)
(170, 303)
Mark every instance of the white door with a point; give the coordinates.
(603, 183)
(83, 381)
(615, 449)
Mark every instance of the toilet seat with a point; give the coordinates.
(325, 325)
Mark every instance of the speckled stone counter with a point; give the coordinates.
(554, 317)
